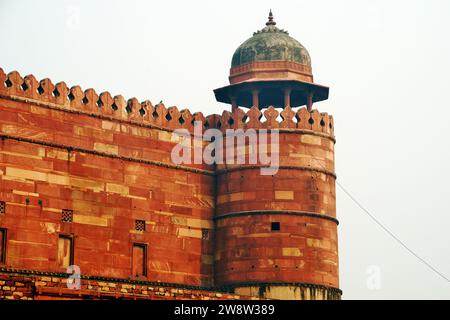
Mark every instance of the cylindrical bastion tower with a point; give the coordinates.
(276, 235)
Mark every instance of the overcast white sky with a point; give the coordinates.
(387, 65)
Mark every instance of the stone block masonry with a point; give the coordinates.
(106, 162)
(28, 285)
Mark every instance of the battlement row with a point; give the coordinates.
(104, 104)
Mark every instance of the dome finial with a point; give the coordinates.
(270, 22)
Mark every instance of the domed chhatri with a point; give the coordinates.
(271, 69)
(271, 44)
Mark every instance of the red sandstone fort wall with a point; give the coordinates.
(300, 198)
(108, 160)
(56, 155)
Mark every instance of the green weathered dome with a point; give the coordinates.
(271, 44)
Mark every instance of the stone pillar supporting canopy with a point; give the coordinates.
(309, 101)
(276, 93)
(287, 97)
(255, 98)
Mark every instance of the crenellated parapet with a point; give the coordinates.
(44, 92)
(74, 99)
(271, 118)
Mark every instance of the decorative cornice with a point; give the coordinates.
(275, 212)
(107, 155)
(276, 65)
(221, 288)
(256, 167)
(104, 279)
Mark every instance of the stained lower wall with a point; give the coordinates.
(28, 285)
(290, 291)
